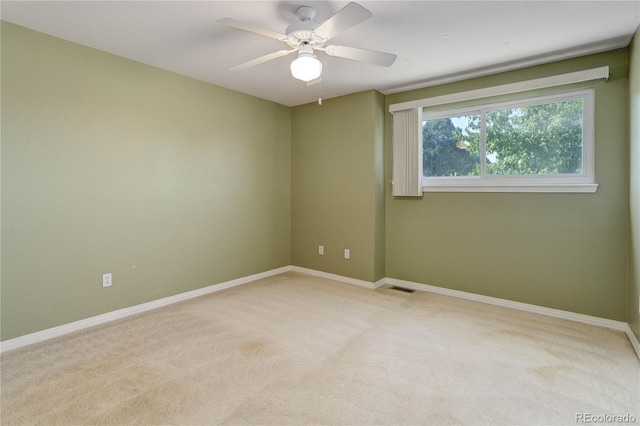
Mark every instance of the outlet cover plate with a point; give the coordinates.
(106, 280)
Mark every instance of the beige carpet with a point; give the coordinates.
(295, 349)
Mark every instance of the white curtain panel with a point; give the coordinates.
(407, 153)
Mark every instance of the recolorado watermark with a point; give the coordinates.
(590, 418)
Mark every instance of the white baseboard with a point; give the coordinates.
(550, 312)
(541, 310)
(633, 340)
(51, 333)
(41, 336)
(340, 278)
(556, 313)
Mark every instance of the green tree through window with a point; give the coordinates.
(447, 151)
(540, 139)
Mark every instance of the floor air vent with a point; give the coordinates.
(406, 290)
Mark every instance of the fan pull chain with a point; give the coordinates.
(320, 93)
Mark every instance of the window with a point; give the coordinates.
(485, 158)
(530, 144)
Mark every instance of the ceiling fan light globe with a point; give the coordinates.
(306, 68)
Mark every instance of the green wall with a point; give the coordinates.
(634, 186)
(563, 251)
(337, 186)
(108, 165)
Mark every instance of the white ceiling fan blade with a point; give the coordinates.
(345, 18)
(261, 59)
(229, 22)
(361, 55)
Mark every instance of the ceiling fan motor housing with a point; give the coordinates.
(302, 32)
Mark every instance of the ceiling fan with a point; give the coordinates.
(306, 36)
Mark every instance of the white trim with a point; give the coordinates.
(347, 280)
(633, 340)
(505, 89)
(51, 333)
(575, 187)
(583, 182)
(556, 313)
(41, 336)
(380, 283)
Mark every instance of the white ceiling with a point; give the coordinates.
(435, 41)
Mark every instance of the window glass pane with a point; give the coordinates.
(541, 139)
(451, 146)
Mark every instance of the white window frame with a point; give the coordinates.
(584, 182)
(403, 167)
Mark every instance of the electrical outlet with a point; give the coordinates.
(106, 280)
(347, 253)
(320, 249)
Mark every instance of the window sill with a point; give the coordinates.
(576, 188)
